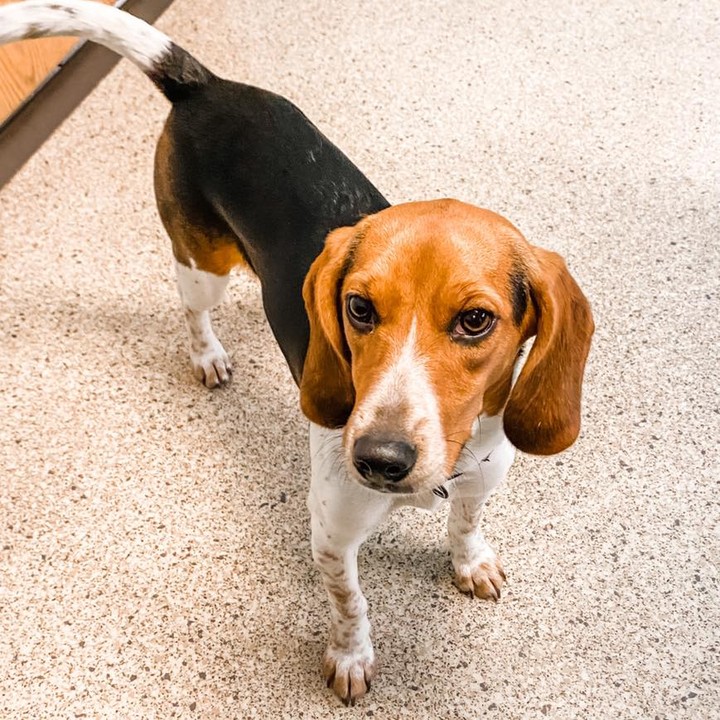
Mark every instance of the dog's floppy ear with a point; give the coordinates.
(542, 415)
(326, 389)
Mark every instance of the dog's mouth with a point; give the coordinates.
(389, 488)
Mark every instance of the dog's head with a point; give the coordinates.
(417, 315)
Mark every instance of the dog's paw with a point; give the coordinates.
(483, 580)
(211, 365)
(349, 672)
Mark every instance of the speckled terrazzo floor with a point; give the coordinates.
(154, 554)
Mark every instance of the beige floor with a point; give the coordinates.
(154, 555)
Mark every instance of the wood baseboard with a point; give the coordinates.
(25, 130)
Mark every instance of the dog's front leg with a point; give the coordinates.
(343, 514)
(478, 570)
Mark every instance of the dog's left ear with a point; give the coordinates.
(542, 415)
(327, 394)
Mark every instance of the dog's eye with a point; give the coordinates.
(361, 313)
(473, 324)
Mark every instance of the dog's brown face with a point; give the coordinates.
(417, 316)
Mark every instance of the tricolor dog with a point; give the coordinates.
(403, 326)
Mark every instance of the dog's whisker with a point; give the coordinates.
(329, 446)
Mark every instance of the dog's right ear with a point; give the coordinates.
(327, 394)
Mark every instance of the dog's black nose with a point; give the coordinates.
(375, 458)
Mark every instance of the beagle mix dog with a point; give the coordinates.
(403, 326)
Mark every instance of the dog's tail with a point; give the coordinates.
(172, 69)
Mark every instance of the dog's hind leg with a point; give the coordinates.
(205, 251)
(200, 291)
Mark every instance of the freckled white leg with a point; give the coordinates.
(343, 513)
(200, 291)
(478, 570)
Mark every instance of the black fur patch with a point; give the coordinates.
(178, 73)
(33, 31)
(71, 12)
(519, 294)
(349, 260)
